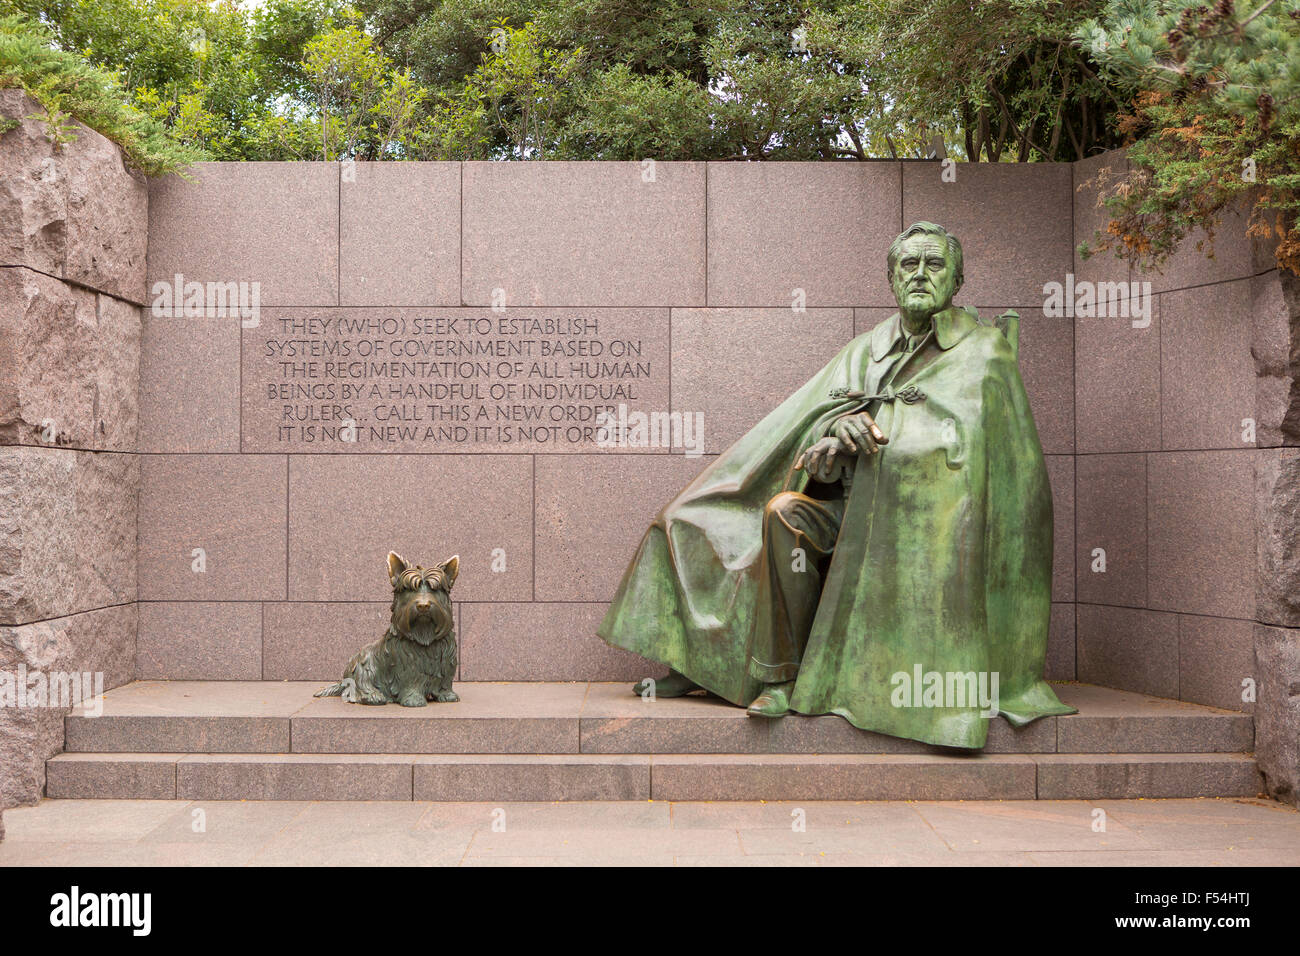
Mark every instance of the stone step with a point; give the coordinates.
(598, 718)
(561, 777)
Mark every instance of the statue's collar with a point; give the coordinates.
(950, 326)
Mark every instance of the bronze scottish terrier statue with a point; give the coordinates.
(415, 660)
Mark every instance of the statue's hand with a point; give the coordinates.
(860, 434)
(825, 461)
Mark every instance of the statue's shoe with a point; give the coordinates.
(773, 702)
(674, 685)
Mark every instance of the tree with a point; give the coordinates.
(1215, 119)
(526, 86)
(366, 111)
(1004, 75)
(217, 78)
(69, 88)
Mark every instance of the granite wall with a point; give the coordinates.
(72, 267)
(1188, 484)
(723, 286)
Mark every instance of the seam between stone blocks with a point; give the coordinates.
(784, 307)
(61, 617)
(286, 529)
(532, 464)
(1160, 370)
(1160, 610)
(75, 283)
(1074, 445)
(706, 276)
(1146, 521)
(460, 236)
(338, 243)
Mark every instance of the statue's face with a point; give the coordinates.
(924, 278)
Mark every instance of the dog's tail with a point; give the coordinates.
(346, 688)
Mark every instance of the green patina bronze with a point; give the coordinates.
(879, 546)
(415, 661)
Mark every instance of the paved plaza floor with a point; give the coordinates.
(1197, 832)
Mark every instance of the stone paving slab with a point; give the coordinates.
(629, 845)
(189, 716)
(729, 777)
(533, 777)
(293, 777)
(1117, 721)
(835, 735)
(239, 823)
(549, 815)
(1226, 832)
(887, 828)
(616, 721)
(1048, 825)
(124, 854)
(123, 776)
(363, 834)
(578, 741)
(54, 822)
(489, 718)
(841, 777)
(1118, 776)
(1227, 857)
(664, 860)
(556, 717)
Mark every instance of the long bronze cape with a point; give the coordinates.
(943, 564)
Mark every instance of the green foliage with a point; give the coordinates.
(1004, 74)
(629, 116)
(600, 79)
(1215, 118)
(366, 109)
(216, 77)
(440, 41)
(69, 88)
(777, 95)
(1193, 89)
(758, 79)
(526, 87)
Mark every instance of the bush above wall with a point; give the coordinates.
(72, 91)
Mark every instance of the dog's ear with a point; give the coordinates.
(396, 565)
(450, 568)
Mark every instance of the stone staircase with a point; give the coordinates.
(208, 740)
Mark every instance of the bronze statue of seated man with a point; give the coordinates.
(886, 528)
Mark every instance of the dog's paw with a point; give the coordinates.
(446, 697)
(374, 699)
(412, 700)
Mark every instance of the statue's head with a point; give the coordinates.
(925, 268)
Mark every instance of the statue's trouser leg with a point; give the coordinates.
(799, 532)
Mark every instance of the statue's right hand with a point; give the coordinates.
(824, 460)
